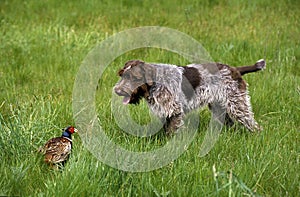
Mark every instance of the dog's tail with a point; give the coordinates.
(259, 65)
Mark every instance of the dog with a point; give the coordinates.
(172, 91)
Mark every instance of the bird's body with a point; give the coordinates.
(57, 150)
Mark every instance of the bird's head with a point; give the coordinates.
(68, 131)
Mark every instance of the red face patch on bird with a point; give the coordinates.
(72, 130)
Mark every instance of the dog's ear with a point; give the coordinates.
(143, 70)
(132, 63)
(129, 64)
(150, 74)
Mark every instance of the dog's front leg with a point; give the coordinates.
(173, 123)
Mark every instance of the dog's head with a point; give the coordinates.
(136, 80)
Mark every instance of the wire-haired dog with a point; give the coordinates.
(172, 91)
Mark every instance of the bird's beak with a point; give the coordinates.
(75, 130)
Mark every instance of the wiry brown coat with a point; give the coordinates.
(172, 91)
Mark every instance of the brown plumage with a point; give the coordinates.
(57, 150)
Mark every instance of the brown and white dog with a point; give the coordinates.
(172, 91)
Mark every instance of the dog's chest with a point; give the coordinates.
(163, 102)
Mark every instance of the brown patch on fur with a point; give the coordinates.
(190, 81)
(235, 74)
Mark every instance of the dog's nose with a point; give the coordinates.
(118, 91)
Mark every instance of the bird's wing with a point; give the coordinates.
(57, 150)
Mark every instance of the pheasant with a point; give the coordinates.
(57, 150)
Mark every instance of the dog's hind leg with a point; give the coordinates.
(173, 123)
(239, 109)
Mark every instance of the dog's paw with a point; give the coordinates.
(261, 64)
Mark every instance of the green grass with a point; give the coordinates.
(43, 44)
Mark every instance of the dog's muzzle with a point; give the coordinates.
(119, 92)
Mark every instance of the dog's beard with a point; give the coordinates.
(135, 96)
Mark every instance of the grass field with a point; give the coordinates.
(42, 45)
